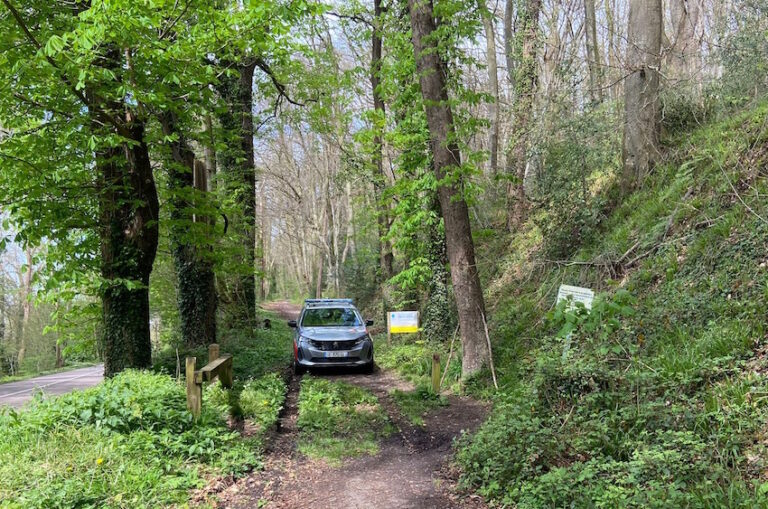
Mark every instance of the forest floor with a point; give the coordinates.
(410, 470)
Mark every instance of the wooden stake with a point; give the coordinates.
(436, 373)
(389, 333)
(194, 391)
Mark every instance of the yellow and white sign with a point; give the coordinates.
(403, 322)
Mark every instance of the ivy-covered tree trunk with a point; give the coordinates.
(129, 237)
(237, 163)
(446, 155)
(196, 297)
(526, 79)
(439, 312)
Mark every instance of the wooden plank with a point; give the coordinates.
(213, 369)
(194, 390)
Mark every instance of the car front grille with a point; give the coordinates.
(326, 346)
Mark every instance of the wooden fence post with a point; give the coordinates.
(436, 373)
(194, 391)
(213, 352)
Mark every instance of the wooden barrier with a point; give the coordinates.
(218, 366)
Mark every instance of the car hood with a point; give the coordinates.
(332, 333)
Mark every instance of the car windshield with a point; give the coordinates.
(330, 317)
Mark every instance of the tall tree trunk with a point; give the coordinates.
(26, 305)
(238, 163)
(684, 49)
(509, 43)
(129, 236)
(526, 79)
(641, 91)
(493, 85)
(266, 228)
(196, 297)
(446, 156)
(593, 53)
(386, 257)
(439, 313)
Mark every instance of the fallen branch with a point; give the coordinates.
(490, 350)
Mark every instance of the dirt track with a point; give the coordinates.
(410, 471)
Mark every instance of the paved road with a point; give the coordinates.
(16, 394)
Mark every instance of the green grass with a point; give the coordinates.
(338, 420)
(411, 358)
(661, 404)
(416, 404)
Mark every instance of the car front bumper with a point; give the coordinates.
(310, 357)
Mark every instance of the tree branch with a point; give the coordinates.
(104, 117)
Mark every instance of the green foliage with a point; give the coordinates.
(655, 398)
(417, 403)
(338, 420)
(255, 351)
(411, 358)
(129, 442)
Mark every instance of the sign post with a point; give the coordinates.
(402, 322)
(574, 294)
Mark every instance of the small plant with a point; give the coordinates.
(417, 403)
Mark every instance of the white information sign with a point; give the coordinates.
(402, 322)
(577, 294)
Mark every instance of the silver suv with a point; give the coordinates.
(331, 332)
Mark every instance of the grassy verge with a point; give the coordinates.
(416, 404)
(657, 397)
(130, 442)
(338, 420)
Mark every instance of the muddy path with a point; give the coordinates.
(411, 469)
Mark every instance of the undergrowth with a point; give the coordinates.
(338, 420)
(129, 442)
(657, 397)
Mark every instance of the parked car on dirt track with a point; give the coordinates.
(331, 332)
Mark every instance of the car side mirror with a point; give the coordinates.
(292, 323)
(368, 323)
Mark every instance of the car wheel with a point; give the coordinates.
(368, 368)
(298, 369)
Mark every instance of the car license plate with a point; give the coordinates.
(336, 354)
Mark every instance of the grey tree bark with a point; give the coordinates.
(446, 155)
(594, 59)
(641, 91)
(493, 85)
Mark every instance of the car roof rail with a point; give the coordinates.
(319, 302)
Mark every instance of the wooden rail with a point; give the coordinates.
(218, 366)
